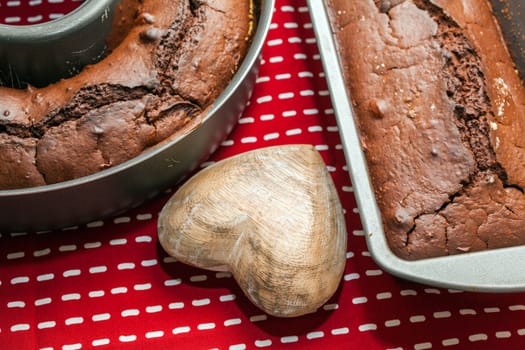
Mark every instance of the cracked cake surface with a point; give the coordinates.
(432, 83)
(169, 61)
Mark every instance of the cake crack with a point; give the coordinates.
(173, 38)
(88, 99)
(466, 86)
(514, 186)
(451, 199)
(473, 106)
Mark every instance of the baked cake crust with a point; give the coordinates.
(170, 61)
(441, 113)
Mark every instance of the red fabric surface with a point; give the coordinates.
(109, 285)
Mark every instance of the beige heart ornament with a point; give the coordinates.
(271, 217)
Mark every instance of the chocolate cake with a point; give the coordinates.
(169, 61)
(440, 109)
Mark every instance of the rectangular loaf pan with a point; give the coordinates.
(497, 270)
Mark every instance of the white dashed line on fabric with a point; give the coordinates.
(20, 280)
(120, 241)
(423, 346)
(517, 308)
(367, 327)
(491, 310)
(417, 319)
(291, 25)
(274, 42)
(45, 277)
(442, 314)
(373, 273)
(100, 317)
(289, 339)
(383, 296)
(226, 298)
(125, 266)
(478, 337)
(173, 282)
(271, 136)
(119, 290)
(503, 334)
(98, 269)
(392, 323)
(465, 312)
(258, 318)
(359, 300)
(127, 338)
(198, 278)
(176, 306)
(351, 276)
(432, 291)
(95, 224)
(181, 330)
(408, 292)
(16, 255)
(232, 322)
(100, 342)
(43, 301)
(450, 342)
(130, 313)
(263, 343)
(72, 346)
(206, 326)
(201, 302)
(154, 334)
(311, 111)
(41, 252)
(122, 220)
(16, 304)
(142, 287)
(144, 239)
(46, 325)
(73, 321)
(71, 273)
(340, 331)
(315, 335)
(96, 294)
(70, 297)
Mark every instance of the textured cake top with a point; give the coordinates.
(441, 112)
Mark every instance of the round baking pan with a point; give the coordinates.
(43, 53)
(124, 186)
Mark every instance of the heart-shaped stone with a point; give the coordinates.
(272, 217)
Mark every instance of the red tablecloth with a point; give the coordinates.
(109, 285)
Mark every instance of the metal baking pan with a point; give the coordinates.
(116, 189)
(488, 271)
